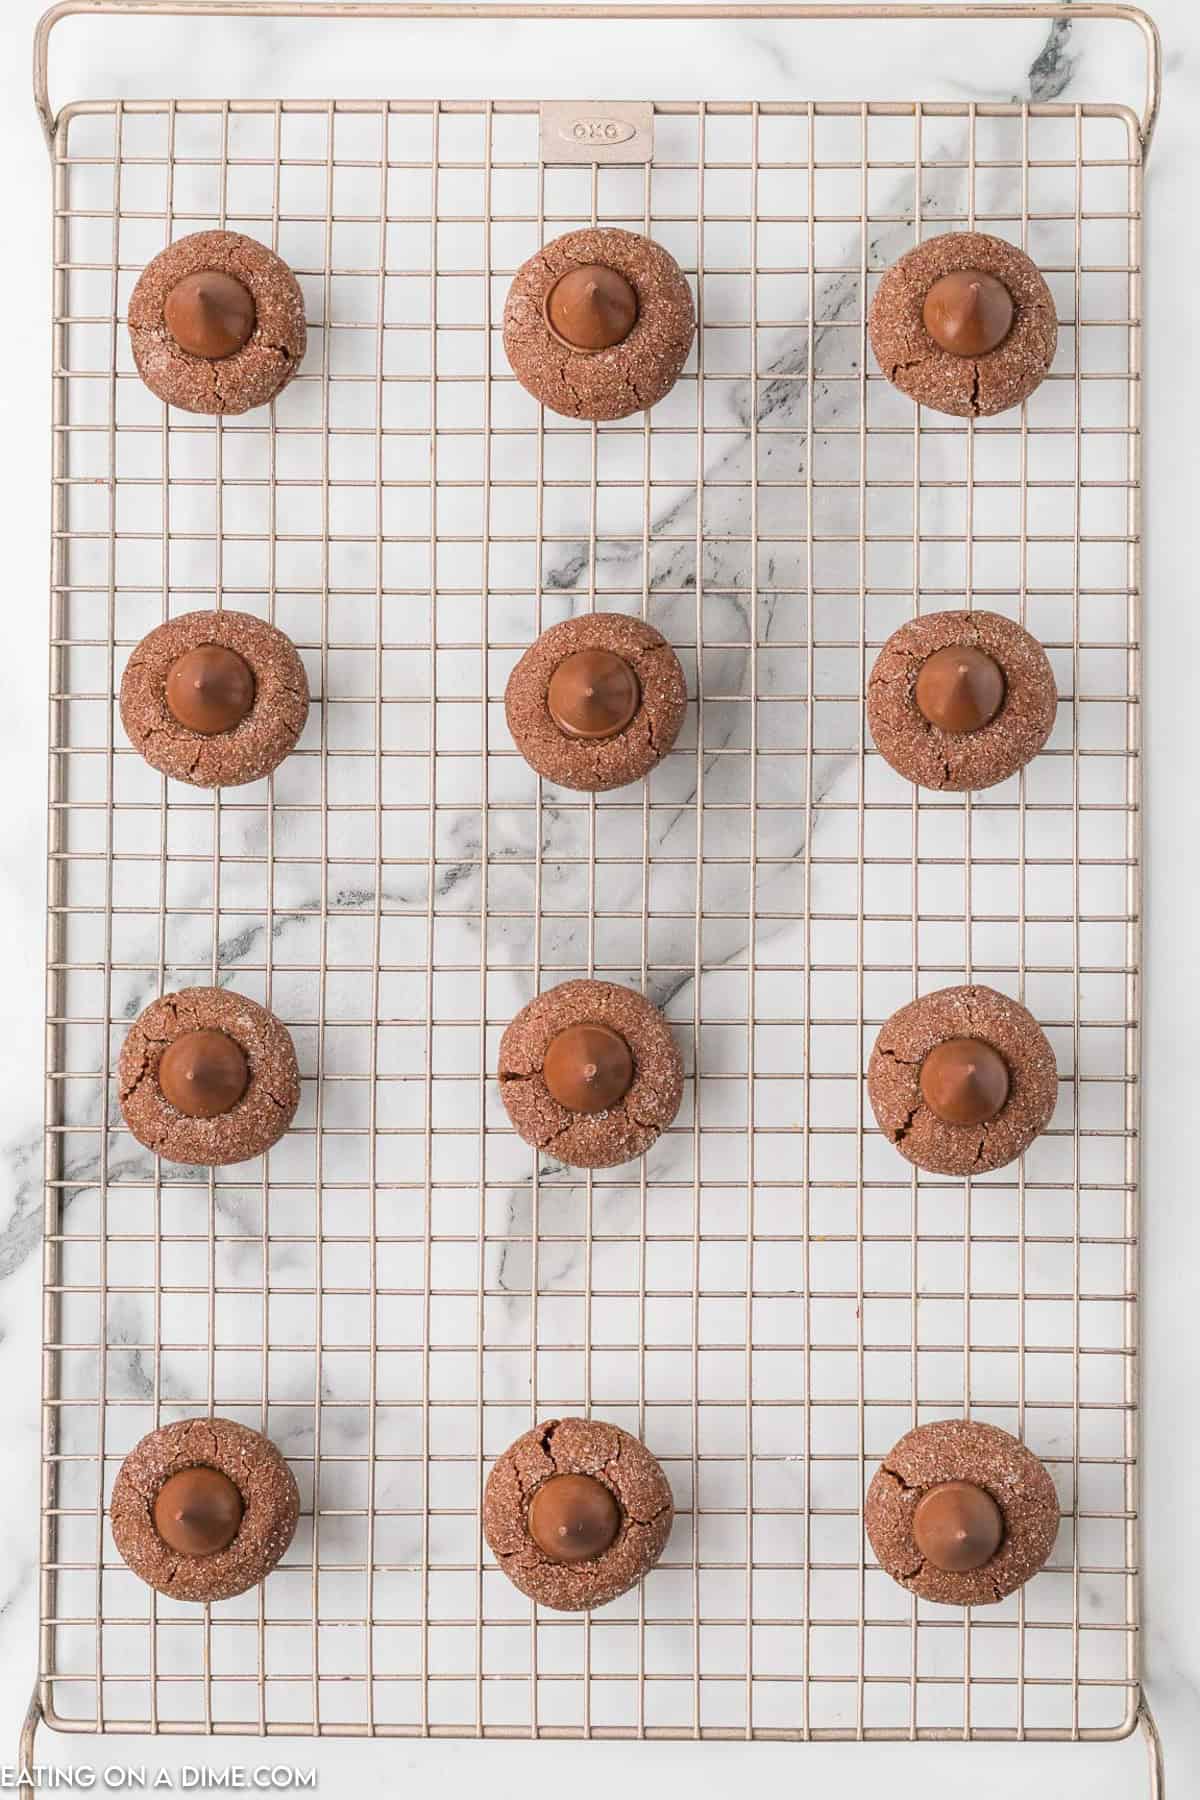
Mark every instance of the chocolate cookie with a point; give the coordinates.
(961, 1513)
(576, 1512)
(216, 323)
(203, 1509)
(599, 323)
(965, 324)
(214, 698)
(590, 1074)
(596, 701)
(960, 700)
(206, 1076)
(962, 1080)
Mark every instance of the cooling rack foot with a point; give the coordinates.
(33, 1718)
(1154, 1750)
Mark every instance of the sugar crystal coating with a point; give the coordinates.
(596, 764)
(902, 1111)
(258, 1119)
(961, 1450)
(968, 386)
(628, 1128)
(250, 374)
(606, 1454)
(246, 750)
(955, 761)
(265, 1485)
(628, 375)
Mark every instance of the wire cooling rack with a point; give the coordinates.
(772, 1297)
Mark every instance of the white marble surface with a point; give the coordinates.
(1034, 60)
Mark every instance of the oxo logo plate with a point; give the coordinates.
(597, 131)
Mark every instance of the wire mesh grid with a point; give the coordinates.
(773, 1297)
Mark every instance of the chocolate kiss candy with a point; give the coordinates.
(968, 312)
(587, 1068)
(573, 1518)
(198, 1511)
(957, 1526)
(210, 689)
(964, 1081)
(591, 308)
(203, 1073)
(593, 694)
(959, 689)
(209, 314)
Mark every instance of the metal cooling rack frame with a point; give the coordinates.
(771, 1299)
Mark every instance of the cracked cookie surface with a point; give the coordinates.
(269, 1494)
(258, 743)
(591, 1140)
(577, 1447)
(253, 374)
(260, 1117)
(958, 762)
(964, 386)
(962, 1450)
(894, 1080)
(595, 765)
(629, 376)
